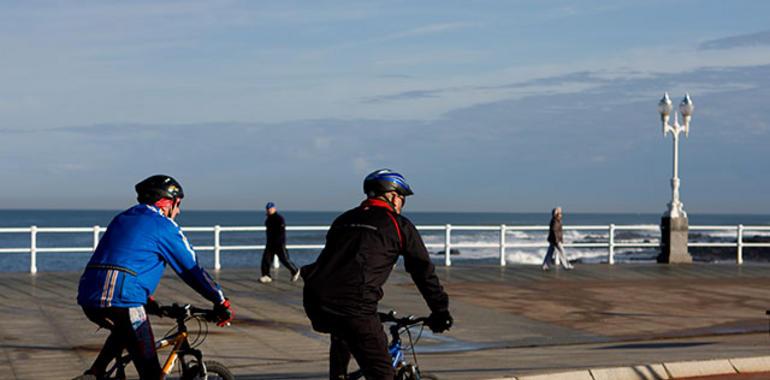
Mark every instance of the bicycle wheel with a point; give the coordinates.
(214, 371)
(411, 372)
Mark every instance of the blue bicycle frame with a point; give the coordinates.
(403, 369)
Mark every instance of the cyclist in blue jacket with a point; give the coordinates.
(127, 266)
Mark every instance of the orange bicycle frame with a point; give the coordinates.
(176, 340)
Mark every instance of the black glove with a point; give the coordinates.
(440, 321)
(223, 313)
(152, 307)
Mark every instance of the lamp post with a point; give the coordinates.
(674, 224)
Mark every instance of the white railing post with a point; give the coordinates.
(217, 247)
(448, 245)
(33, 249)
(502, 245)
(96, 237)
(611, 251)
(740, 244)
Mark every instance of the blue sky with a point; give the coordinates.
(483, 105)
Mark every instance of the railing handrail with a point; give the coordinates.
(447, 245)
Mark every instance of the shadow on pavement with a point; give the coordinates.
(632, 346)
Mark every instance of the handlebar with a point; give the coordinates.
(409, 320)
(185, 311)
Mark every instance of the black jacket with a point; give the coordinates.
(275, 231)
(555, 235)
(362, 246)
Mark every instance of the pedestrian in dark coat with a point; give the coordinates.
(556, 241)
(275, 245)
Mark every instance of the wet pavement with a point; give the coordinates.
(508, 321)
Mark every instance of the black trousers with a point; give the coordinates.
(283, 256)
(364, 338)
(130, 330)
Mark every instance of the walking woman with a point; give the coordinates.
(556, 241)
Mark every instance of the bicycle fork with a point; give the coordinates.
(396, 354)
(181, 348)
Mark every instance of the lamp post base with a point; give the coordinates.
(673, 241)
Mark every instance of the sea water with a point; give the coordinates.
(59, 261)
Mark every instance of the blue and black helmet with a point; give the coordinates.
(384, 180)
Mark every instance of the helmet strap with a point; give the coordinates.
(166, 205)
(389, 202)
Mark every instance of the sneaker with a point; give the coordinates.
(295, 277)
(265, 279)
(545, 268)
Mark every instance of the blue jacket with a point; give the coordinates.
(130, 259)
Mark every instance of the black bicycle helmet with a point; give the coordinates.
(157, 187)
(384, 180)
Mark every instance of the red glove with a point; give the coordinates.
(223, 313)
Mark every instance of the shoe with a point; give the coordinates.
(545, 268)
(265, 279)
(569, 267)
(295, 277)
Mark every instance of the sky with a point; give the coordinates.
(510, 106)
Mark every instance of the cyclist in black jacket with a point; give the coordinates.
(343, 287)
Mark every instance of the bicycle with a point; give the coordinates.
(183, 349)
(398, 326)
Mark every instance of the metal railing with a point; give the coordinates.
(611, 243)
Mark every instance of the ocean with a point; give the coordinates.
(61, 261)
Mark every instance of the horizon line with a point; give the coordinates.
(259, 210)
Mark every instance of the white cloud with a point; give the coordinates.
(322, 142)
(163, 62)
(361, 164)
(426, 30)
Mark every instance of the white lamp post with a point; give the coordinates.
(676, 208)
(674, 224)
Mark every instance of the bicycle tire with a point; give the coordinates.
(214, 371)
(411, 372)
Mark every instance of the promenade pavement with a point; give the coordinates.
(509, 321)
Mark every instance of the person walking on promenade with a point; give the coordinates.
(344, 285)
(118, 281)
(275, 229)
(556, 241)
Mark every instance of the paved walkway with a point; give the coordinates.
(510, 321)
